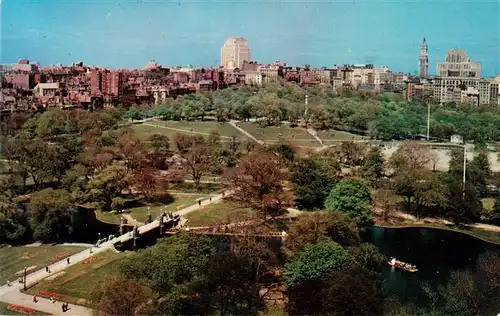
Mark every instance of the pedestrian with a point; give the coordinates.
(91, 250)
(47, 269)
(52, 300)
(67, 260)
(63, 307)
(199, 202)
(35, 299)
(8, 283)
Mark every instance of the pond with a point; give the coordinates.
(435, 252)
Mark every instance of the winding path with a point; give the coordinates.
(13, 295)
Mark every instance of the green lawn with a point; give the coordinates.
(145, 131)
(80, 281)
(295, 135)
(488, 204)
(141, 213)
(225, 129)
(331, 137)
(14, 259)
(218, 213)
(5, 311)
(189, 187)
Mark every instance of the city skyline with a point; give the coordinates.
(120, 34)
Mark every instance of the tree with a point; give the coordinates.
(383, 201)
(410, 156)
(194, 275)
(284, 151)
(149, 181)
(496, 207)
(197, 158)
(133, 151)
(14, 225)
(348, 292)
(420, 187)
(434, 158)
(230, 287)
(315, 262)
(257, 182)
(51, 123)
(123, 296)
(480, 173)
(159, 143)
(311, 183)
(464, 202)
(310, 228)
(107, 184)
(352, 197)
(53, 216)
(372, 167)
(351, 153)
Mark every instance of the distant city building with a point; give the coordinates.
(418, 91)
(457, 64)
(454, 75)
(106, 83)
(234, 52)
(488, 91)
(423, 61)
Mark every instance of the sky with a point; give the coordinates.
(127, 34)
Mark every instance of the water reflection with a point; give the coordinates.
(434, 252)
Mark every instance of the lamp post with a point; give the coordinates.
(428, 119)
(464, 169)
(24, 279)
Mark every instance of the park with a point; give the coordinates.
(79, 190)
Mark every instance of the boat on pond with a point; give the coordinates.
(402, 265)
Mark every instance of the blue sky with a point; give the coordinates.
(127, 34)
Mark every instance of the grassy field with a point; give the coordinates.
(189, 187)
(332, 136)
(5, 311)
(294, 135)
(218, 213)
(79, 282)
(225, 129)
(145, 131)
(488, 204)
(14, 259)
(141, 213)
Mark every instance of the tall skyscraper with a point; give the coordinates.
(457, 64)
(423, 61)
(234, 52)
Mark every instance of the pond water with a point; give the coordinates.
(435, 253)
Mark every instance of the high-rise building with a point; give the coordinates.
(234, 52)
(423, 61)
(457, 64)
(455, 74)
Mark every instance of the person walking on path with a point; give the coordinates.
(67, 260)
(35, 299)
(52, 300)
(63, 307)
(47, 269)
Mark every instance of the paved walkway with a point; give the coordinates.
(233, 123)
(313, 133)
(13, 295)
